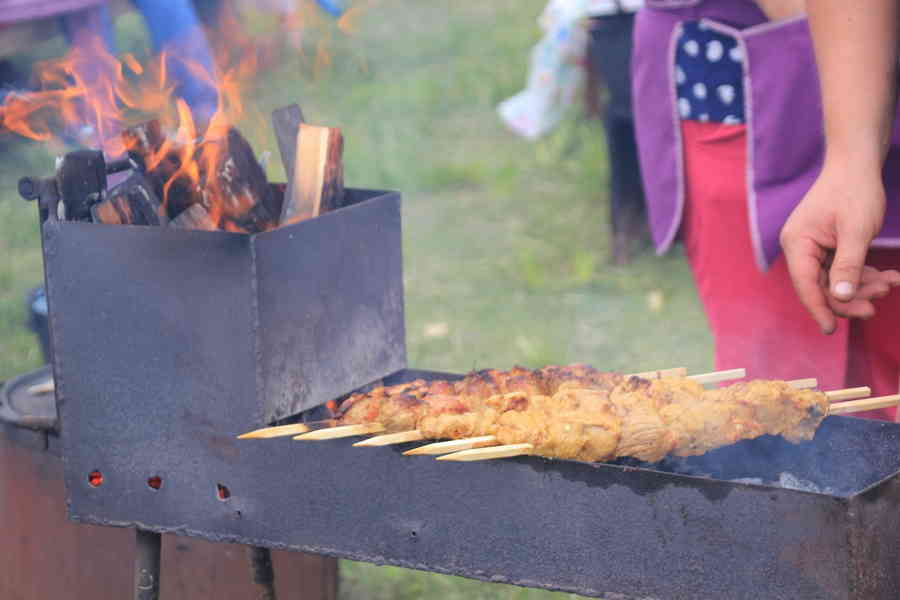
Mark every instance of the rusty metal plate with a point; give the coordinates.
(607, 530)
(289, 318)
(330, 305)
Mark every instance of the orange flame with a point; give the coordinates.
(93, 96)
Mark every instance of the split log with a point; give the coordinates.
(286, 122)
(145, 144)
(237, 188)
(228, 180)
(318, 183)
(132, 202)
(194, 217)
(143, 141)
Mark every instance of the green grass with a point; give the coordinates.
(505, 241)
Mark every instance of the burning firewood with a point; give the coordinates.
(318, 182)
(221, 174)
(132, 202)
(161, 159)
(144, 141)
(81, 178)
(236, 185)
(194, 217)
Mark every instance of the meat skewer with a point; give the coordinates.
(437, 448)
(420, 386)
(588, 415)
(527, 449)
(576, 412)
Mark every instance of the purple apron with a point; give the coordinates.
(783, 110)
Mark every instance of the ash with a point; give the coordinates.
(788, 481)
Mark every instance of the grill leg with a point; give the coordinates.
(263, 573)
(146, 565)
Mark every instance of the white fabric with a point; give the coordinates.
(599, 8)
(556, 72)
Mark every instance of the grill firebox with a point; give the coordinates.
(168, 344)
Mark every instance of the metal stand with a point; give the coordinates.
(146, 565)
(263, 573)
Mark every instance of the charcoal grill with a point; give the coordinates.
(168, 344)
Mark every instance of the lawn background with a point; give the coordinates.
(505, 240)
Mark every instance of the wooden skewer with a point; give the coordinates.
(333, 433)
(803, 384)
(274, 432)
(848, 394)
(413, 435)
(675, 372)
(45, 387)
(717, 376)
(511, 450)
(298, 428)
(387, 439)
(453, 445)
(867, 404)
(507, 451)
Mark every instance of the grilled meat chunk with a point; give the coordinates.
(580, 413)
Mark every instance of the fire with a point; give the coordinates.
(91, 91)
(96, 98)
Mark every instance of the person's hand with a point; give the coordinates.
(825, 242)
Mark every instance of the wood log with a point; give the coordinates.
(81, 181)
(318, 184)
(237, 189)
(144, 143)
(286, 122)
(229, 181)
(194, 217)
(132, 202)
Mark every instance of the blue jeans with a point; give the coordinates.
(173, 26)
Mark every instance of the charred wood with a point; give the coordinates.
(194, 217)
(160, 159)
(132, 202)
(144, 141)
(81, 179)
(239, 185)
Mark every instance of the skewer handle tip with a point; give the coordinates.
(507, 451)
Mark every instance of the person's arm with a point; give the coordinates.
(778, 10)
(826, 238)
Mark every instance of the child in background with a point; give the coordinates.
(609, 55)
(557, 73)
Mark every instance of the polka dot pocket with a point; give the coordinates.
(709, 75)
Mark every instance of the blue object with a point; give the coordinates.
(709, 75)
(332, 7)
(174, 26)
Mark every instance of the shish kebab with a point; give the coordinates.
(579, 413)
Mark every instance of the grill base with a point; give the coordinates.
(593, 529)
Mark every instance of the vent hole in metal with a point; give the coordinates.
(95, 478)
(222, 492)
(154, 482)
